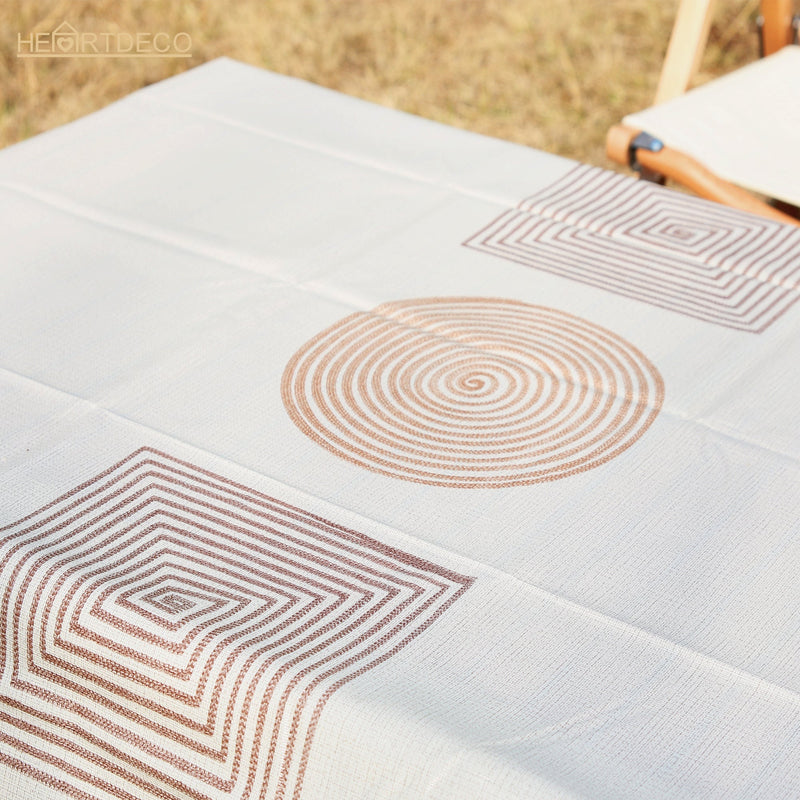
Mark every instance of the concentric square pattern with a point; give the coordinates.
(661, 247)
(170, 634)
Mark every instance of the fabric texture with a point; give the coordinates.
(347, 455)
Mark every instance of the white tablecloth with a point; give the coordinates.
(346, 455)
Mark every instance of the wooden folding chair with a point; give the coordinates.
(733, 136)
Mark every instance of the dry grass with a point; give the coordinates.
(553, 74)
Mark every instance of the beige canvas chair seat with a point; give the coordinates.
(745, 126)
(730, 140)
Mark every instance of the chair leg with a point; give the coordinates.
(685, 50)
(776, 25)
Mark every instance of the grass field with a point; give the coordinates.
(553, 74)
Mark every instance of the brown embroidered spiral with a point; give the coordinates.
(471, 392)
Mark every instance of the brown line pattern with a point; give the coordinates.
(471, 392)
(659, 247)
(183, 599)
(171, 634)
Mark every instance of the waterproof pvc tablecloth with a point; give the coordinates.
(347, 455)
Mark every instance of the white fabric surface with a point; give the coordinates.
(743, 126)
(633, 629)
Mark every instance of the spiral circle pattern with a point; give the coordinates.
(471, 392)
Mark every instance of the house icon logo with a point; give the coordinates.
(65, 38)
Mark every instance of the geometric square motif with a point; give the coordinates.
(168, 633)
(661, 247)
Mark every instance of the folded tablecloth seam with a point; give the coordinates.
(339, 155)
(236, 260)
(566, 602)
(230, 258)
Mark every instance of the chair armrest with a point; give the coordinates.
(690, 173)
